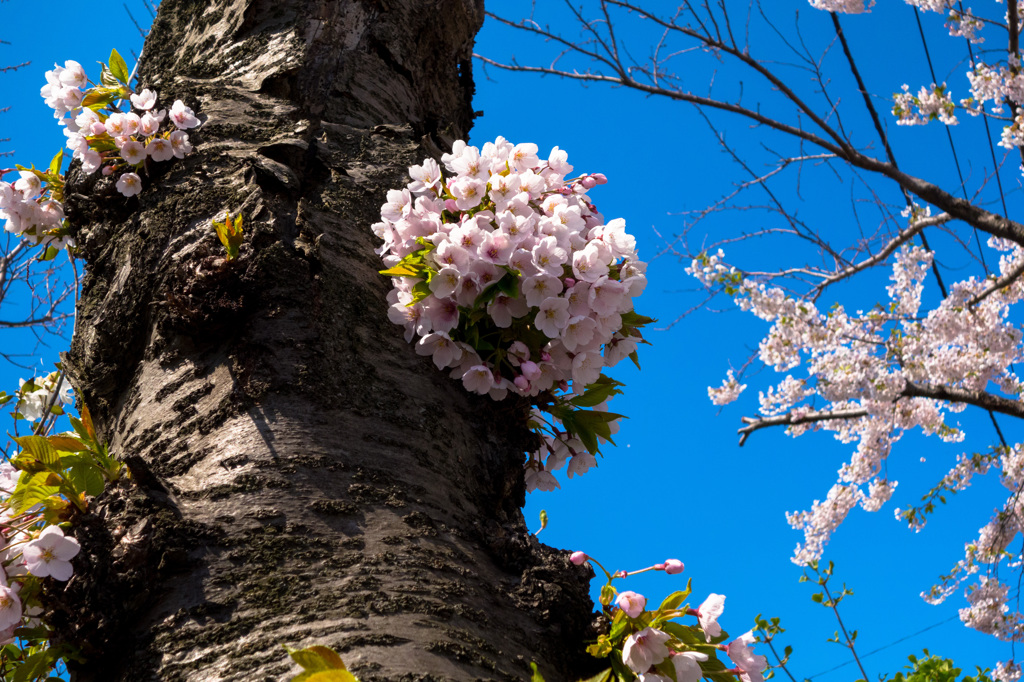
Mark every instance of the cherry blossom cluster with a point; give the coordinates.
(31, 208)
(1006, 672)
(929, 104)
(514, 283)
(997, 85)
(843, 6)
(988, 611)
(27, 556)
(43, 487)
(656, 653)
(40, 396)
(102, 135)
(961, 24)
(868, 375)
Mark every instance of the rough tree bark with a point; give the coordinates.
(299, 475)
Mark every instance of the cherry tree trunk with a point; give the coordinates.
(299, 475)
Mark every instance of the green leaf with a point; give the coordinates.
(86, 478)
(607, 595)
(621, 671)
(118, 67)
(56, 162)
(620, 626)
(38, 632)
(632, 319)
(49, 254)
(35, 666)
(32, 491)
(603, 676)
(676, 599)
(508, 285)
(39, 448)
(587, 425)
(536, 676)
(79, 428)
(420, 291)
(635, 358)
(597, 392)
(98, 98)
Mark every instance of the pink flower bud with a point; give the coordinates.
(599, 178)
(569, 282)
(107, 170)
(578, 558)
(522, 383)
(98, 128)
(530, 370)
(450, 205)
(588, 181)
(545, 356)
(632, 603)
(673, 566)
(563, 385)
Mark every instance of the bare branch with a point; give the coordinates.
(758, 423)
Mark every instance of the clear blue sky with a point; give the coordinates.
(677, 485)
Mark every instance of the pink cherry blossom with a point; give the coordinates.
(50, 554)
(644, 649)
(687, 665)
(10, 607)
(709, 612)
(631, 602)
(129, 184)
(743, 656)
(144, 101)
(182, 116)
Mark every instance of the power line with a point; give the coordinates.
(887, 646)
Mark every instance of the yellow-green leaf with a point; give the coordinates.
(320, 664)
(32, 492)
(56, 162)
(67, 443)
(230, 234)
(328, 656)
(402, 270)
(118, 67)
(97, 98)
(326, 676)
(40, 448)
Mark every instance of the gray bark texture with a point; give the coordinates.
(298, 474)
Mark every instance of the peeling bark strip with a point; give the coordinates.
(299, 475)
